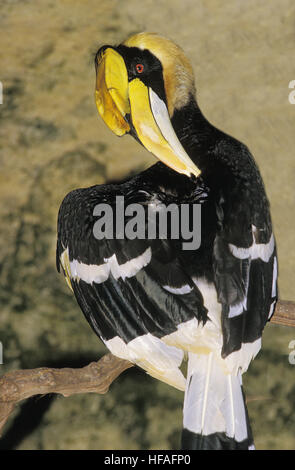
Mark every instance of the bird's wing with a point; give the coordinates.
(245, 270)
(134, 293)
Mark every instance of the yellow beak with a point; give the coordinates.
(117, 99)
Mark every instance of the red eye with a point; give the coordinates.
(139, 68)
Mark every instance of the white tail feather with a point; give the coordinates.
(206, 390)
(232, 411)
(213, 399)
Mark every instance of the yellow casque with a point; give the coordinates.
(111, 93)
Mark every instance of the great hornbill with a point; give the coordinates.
(150, 300)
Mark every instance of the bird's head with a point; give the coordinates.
(139, 86)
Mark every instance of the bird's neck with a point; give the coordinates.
(195, 132)
(223, 160)
(225, 163)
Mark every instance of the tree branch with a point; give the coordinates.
(18, 385)
(284, 313)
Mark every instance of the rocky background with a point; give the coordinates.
(51, 141)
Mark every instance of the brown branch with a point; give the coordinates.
(18, 385)
(284, 313)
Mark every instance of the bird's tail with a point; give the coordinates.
(215, 414)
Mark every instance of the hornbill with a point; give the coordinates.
(151, 301)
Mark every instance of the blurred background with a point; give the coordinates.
(52, 141)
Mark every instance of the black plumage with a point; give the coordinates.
(167, 290)
(233, 199)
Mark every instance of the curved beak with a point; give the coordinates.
(117, 99)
